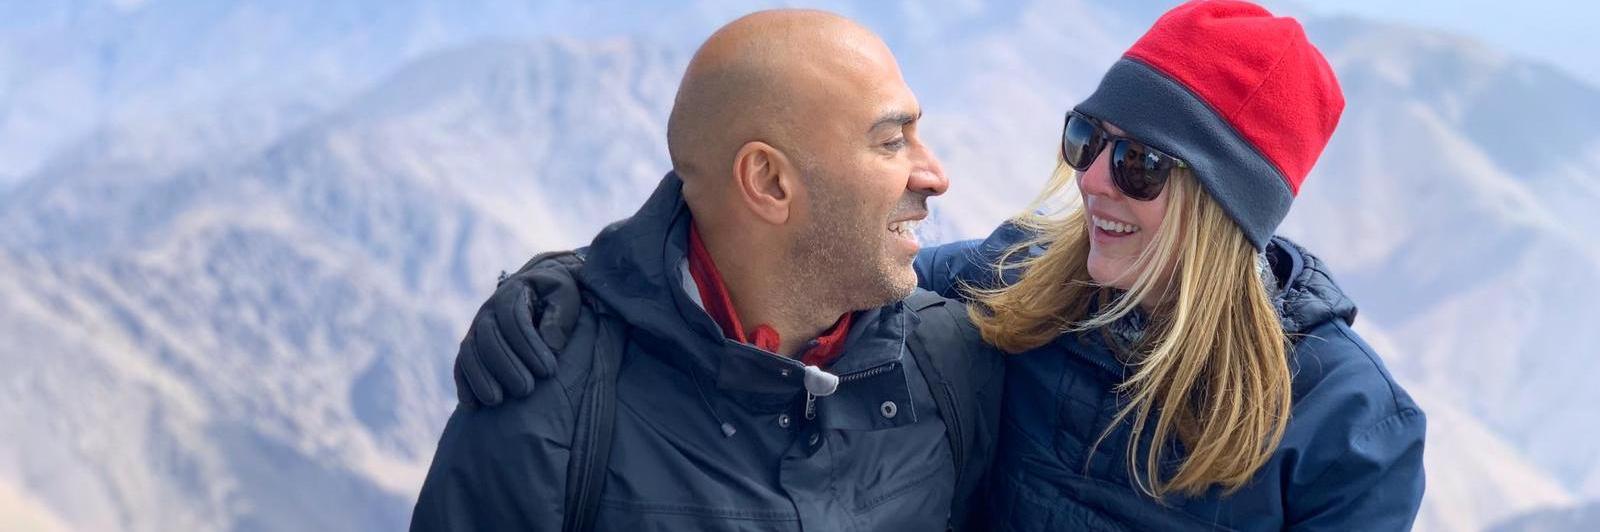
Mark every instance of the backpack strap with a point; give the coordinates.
(595, 419)
(962, 375)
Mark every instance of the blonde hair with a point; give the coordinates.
(1211, 366)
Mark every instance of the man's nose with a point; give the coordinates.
(927, 177)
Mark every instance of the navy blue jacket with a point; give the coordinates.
(1351, 458)
(710, 434)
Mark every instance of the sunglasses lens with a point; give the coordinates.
(1080, 142)
(1137, 171)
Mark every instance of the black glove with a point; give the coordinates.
(515, 336)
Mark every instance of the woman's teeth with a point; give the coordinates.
(1115, 227)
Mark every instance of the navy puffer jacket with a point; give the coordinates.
(1351, 458)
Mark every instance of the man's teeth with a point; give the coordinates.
(1115, 227)
(905, 228)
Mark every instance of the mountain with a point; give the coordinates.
(1554, 520)
(71, 68)
(1475, 265)
(18, 511)
(1474, 476)
(222, 345)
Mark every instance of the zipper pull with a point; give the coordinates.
(820, 383)
(811, 406)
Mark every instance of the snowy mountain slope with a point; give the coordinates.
(1474, 476)
(1484, 283)
(68, 69)
(18, 511)
(71, 68)
(278, 335)
(215, 381)
(1553, 520)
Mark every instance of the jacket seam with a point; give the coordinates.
(1397, 418)
(700, 511)
(909, 486)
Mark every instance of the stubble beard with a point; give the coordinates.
(843, 256)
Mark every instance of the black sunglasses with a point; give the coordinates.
(1137, 169)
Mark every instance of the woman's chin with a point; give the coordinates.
(1109, 272)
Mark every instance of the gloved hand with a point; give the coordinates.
(514, 339)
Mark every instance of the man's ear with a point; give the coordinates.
(766, 181)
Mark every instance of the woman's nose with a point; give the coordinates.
(1096, 181)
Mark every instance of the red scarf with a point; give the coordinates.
(714, 295)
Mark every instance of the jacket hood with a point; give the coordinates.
(1307, 295)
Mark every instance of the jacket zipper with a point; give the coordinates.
(811, 400)
(586, 477)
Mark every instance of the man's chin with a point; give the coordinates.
(903, 293)
(891, 288)
(903, 283)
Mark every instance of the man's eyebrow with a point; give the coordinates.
(895, 118)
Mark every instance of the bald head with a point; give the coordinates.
(796, 139)
(765, 77)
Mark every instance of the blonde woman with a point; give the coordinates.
(1174, 365)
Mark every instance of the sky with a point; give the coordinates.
(1565, 33)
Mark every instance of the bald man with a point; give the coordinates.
(750, 354)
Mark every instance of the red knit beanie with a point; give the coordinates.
(1239, 94)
